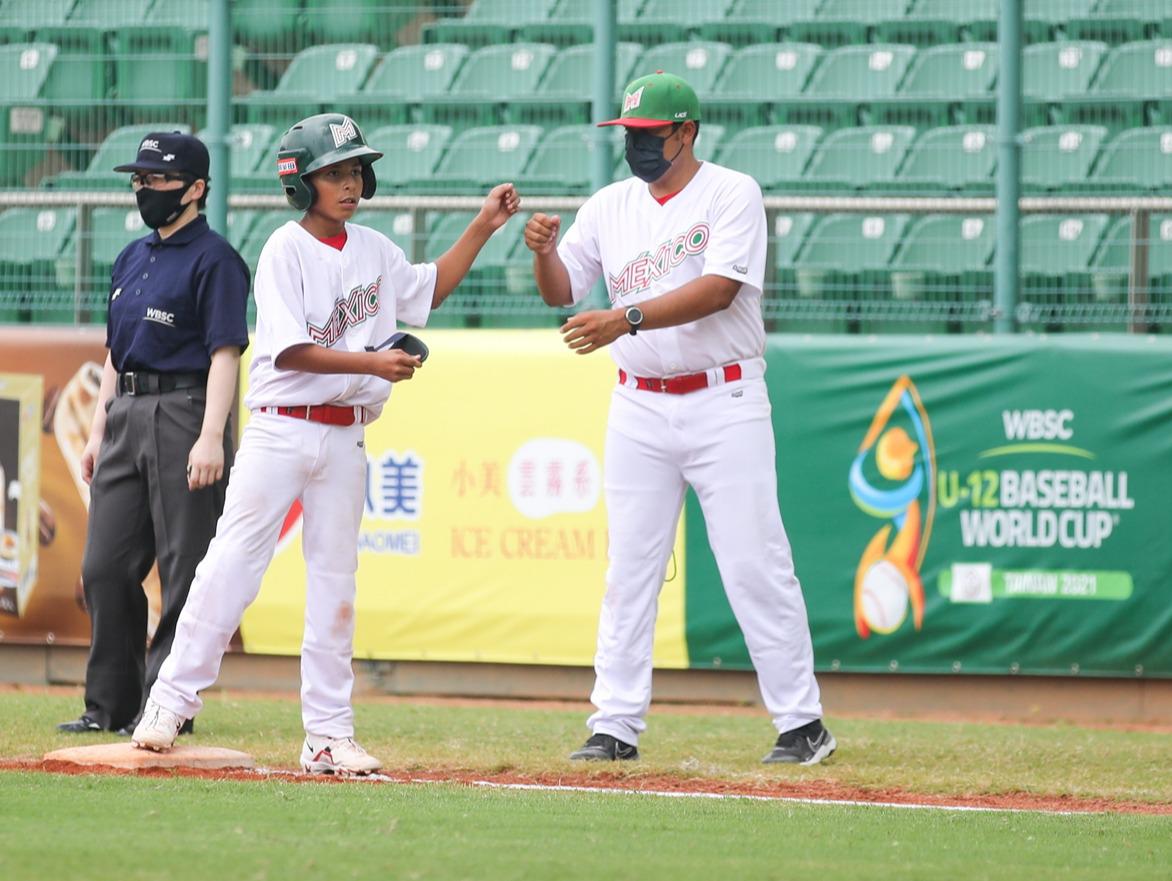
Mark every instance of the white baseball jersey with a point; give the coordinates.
(714, 226)
(310, 292)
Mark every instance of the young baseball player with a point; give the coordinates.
(682, 248)
(326, 290)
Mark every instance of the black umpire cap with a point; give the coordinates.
(171, 153)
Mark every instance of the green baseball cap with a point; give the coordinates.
(657, 99)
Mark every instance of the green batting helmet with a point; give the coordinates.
(316, 142)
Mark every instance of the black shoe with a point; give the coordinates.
(604, 748)
(82, 725)
(128, 729)
(807, 745)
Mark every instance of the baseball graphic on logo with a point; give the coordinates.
(884, 597)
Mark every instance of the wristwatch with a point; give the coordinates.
(634, 318)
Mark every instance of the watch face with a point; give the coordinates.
(634, 315)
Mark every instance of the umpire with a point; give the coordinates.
(161, 442)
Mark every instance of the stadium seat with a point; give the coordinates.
(670, 21)
(1119, 21)
(483, 289)
(934, 22)
(698, 62)
(846, 22)
(406, 76)
(31, 240)
(856, 158)
(1053, 72)
(960, 157)
(268, 25)
(789, 234)
(1059, 157)
(110, 230)
(163, 60)
(756, 21)
(20, 19)
(707, 145)
(847, 78)
(80, 74)
(398, 226)
(316, 79)
(358, 21)
(410, 152)
(571, 22)
(488, 22)
(240, 222)
(1056, 252)
(1137, 160)
(483, 157)
(564, 160)
(563, 96)
(757, 76)
(24, 68)
(249, 146)
(942, 272)
(1134, 82)
(941, 81)
(119, 147)
(1046, 19)
(489, 79)
(1111, 267)
(771, 155)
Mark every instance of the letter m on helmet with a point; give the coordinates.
(343, 133)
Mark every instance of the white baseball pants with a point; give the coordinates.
(281, 459)
(720, 441)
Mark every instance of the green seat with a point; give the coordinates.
(942, 272)
(163, 60)
(771, 155)
(398, 226)
(483, 157)
(856, 158)
(757, 76)
(699, 62)
(757, 21)
(20, 19)
(707, 145)
(110, 231)
(251, 156)
(1111, 267)
(358, 21)
(960, 157)
(119, 147)
(846, 22)
(564, 160)
(31, 240)
(80, 74)
(789, 233)
(847, 78)
(24, 69)
(410, 153)
(571, 22)
(1056, 252)
(268, 25)
(483, 290)
(935, 22)
(316, 79)
(1052, 73)
(671, 21)
(240, 223)
(941, 81)
(488, 22)
(562, 96)
(1140, 159)
(1046, 19)
(409, 75)
(1133, 85)
(1120, 21)
(489, 79)
(1059, 157)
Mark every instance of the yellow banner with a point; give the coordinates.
(484, 537)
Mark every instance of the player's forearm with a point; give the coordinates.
(221, 391)
(553, 281)
(105, 392)
(311, 358)
(457, 260)
(697, 299)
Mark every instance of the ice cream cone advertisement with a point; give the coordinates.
(893, 479)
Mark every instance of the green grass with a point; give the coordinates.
(938, 758)
(129, 828)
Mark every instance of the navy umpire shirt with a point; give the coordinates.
(174, 301)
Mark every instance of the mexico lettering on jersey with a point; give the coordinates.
(359, 305)
(638, 273)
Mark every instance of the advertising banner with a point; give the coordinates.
(970, 505)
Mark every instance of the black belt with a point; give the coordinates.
(139, 383)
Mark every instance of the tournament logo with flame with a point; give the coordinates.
(893, 478)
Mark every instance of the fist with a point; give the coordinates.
(541, 233)
(395, 365)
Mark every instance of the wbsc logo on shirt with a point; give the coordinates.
(159, 316)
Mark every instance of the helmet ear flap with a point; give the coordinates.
(369, 182)
(291, 170)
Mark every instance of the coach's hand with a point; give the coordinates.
(205, 462)
(541, 233)
(587, 332)
(394, 365)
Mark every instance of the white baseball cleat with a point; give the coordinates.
(158, 728)
(336, 755)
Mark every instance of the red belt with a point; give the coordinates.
(324, 413)
(681, 385)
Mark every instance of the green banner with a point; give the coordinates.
(970, 504)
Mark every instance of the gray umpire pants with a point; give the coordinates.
(141, 510)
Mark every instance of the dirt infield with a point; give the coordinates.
(824, 792)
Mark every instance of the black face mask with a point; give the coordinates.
(645, 155)
(160, 207)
